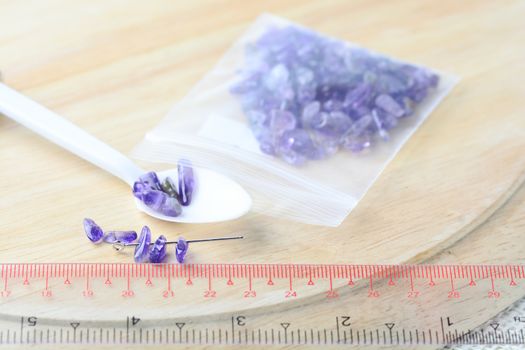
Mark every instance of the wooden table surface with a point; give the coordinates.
(453, 194)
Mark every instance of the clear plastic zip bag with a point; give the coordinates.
(304, 122)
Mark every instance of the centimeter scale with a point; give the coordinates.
(281, 304)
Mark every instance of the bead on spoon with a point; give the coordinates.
(217, 198)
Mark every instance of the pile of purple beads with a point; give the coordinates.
(144, 250)
(306, 96)
(164, 197)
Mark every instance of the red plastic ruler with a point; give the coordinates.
(286, 304)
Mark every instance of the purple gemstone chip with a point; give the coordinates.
(154, 199)
(139, 189)
(150, 180)
(147, 182)
(93, 232)
(142, 249)
(164, 198)
(171, 207)
(162, 203)
(389, 105)
(186, 181)
(181, 248)
(307, 96)
(120, 236)
(158, 252)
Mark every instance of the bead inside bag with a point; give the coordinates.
(306, 96)
(304, 122)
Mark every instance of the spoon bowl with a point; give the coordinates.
(215, 197)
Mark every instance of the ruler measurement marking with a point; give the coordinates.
(508, 271)
(520, 272)
(289, 275)
(87, 277)
(47, 277)
(23, 270)
(67, 267)
(5, 279)
(491, 279)
(470, 273)
(169, 282)
(294, 274)
(209, 277)
(250, 278)
(128, 278)
(411, 281)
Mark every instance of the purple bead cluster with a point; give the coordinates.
(144, 250)
(307, 96)
(96, 235)
(164, 197)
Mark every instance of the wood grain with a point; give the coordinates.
(116, 67)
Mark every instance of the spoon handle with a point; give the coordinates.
(66, 134)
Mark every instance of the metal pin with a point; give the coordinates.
(118, 245)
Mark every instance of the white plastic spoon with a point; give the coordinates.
(216, 197)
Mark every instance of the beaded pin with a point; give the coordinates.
(122, 239)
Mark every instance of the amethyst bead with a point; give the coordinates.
(311, 110)
(388, 121)
(158, 252)
(162, 203)
(361, 125)
(145, 183)
(389, 105)
(120, 236)
(171, 207)
(186, 181)
(154, 199)
(138, 189)
(93, 232)
(181, 248)
(358, 96)
(380, 127)
(142, 249)
(334, 124)
(164, 197)
(277, 79)
(356, 143)
(281, 121)
(150, 180)
(298, 141)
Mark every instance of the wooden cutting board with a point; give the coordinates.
(115, 68)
